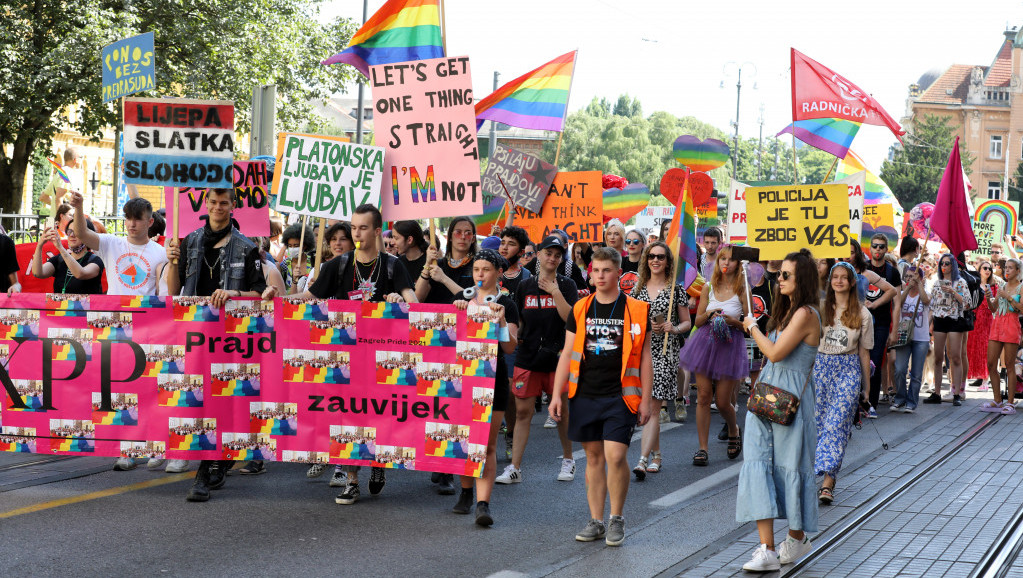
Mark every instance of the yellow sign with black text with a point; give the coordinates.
(785, 218)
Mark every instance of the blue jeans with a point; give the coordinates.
(877, 355)
(918, 351)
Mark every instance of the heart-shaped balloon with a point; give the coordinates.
(671, 184)
(623, 203)
(701, 188)
(700, 156)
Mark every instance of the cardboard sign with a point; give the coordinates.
(1004, 214)
(857, 184)
(178, 142)
(737, 213)
(708, 210)
(426, 121)
(650, 218)
(129, 66)
(251, 207)
(879, 218)
(985, 233)
(325, 176)
(574, 204)
(784, 218)
(526, 178)
(374, 384)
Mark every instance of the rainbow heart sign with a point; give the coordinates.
(700, 156)
(624, 203)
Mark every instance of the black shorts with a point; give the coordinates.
(949, 325)
(593, 419)
(501, 386)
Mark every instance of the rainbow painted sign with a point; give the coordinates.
(174, 380)
(1003, 215)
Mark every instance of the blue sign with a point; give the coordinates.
(129, 66)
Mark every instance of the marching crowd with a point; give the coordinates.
(604, 333)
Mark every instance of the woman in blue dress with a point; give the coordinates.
(777, 476)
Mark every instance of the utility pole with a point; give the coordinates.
(738, 95)
(493, 126)
(760, 146)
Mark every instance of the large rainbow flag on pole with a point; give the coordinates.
(536, 100)
(831, 135)
(681, 237)
(400, 31)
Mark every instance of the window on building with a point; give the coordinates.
(994, 189)
(995, 150)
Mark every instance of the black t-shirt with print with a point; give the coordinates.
(600, 373)
(541, 325)
(460, 275)
(510, 286)
(65, 282)
(332, 285)
(883, 314)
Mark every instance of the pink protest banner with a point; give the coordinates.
(426, 123)
(252, 202)
(375, 384)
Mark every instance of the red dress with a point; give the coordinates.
(977, 340)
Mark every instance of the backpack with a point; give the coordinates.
(973, 283)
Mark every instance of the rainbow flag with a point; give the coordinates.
(382, 310)
(335, 375)
(143, 301)
(396, 376)
(243, 455)
(681, 238)
(538, 99)
(248, 324)
(34, 403)
(876, 191)
(154, 368)
(119, 417)
(305, 311)
(66, 352)
(191, 442)
(23, 447)
(485, 330)
(196, 313)
(66, 308)
(431, 337)
(179, 398)
(121, 333)
(401, 30)
(331, 336)
(493, 209)
(831, 135)
(351, 451)
(293, 374)
(482, 413)
(446, 449)
(60, 171)
(439, 388)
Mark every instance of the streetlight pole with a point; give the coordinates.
(738, 94)
(359, 112)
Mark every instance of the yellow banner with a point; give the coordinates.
(785, 218)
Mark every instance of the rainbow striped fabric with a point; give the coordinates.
(536, 100)
(683, 228)
(401, 30)
(60, 171)
(875, 191)
(831, 135)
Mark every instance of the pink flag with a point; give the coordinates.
(951, 218)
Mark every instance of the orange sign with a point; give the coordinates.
(574, 204)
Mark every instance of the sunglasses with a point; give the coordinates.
(529, 254)
(872, 246)
(785, 275)
(633, 242)
(463, 234)
(985, 268)
(656, 257)
(946, 264)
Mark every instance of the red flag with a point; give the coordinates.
(819, 92)
(951, 218)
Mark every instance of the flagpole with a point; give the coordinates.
(672, 280)
(568, 97)
(557, 152)
(443, 28)
(358, 112)
(829, 171)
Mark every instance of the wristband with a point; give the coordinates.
(503, 335)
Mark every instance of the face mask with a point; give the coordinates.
(292, 252)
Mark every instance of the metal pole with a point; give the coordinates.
(738, 92)
(493, 125)
(760, 146)
(358, 113)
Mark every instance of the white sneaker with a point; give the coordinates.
(791, 549)
(511, 475)
(155, 463)
(176, 466)
(947, 397)
(714, 406)
(663, 417)
(549, 423)
(567, 473)
(339, 479)
(316, 470)
(124, 464)
(763, 560)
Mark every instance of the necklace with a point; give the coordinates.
(457, 264)
(68, 275)
(366, 284)
(214, 265)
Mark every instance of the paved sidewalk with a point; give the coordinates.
(24, 470)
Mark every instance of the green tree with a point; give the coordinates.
(915, 171)
(215, 49)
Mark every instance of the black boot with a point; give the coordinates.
(465, 500)
(447, 485)
(218, 473)
(200, 490)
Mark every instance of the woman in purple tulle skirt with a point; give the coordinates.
(717, 351)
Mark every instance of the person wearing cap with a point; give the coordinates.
(606, 366)
(487, 267)
(544, 303)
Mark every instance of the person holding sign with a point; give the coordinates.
(777, 476)
(216, 260)
(365, 274)
(841, 370)
(607, 370)
(717, 351)
(74, 270)
(441, 278)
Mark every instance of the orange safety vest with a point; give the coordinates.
(634, 335)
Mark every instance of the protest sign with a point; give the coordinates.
(856, 183)
(251, 203)
(373, 384)
(523, 176)
(574, 204)
(326, 176)
(178, 142)
(879, 218)
(129, 66)
(1004, 215)
(426, 122)
(650, 218)
(985, 234)
(784, 218)
(708, 210)
(737, 213)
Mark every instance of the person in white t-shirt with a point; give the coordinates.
(131, 269)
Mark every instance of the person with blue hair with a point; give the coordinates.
(948, 297)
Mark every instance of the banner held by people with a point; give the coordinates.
(574, 204)
(251, 203)
(298, 380)
(129, 66)
(326, 176)
(424, 120)
(783, 218)
(522, 176)
(178, 142)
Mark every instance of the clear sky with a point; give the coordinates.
(674, 55)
